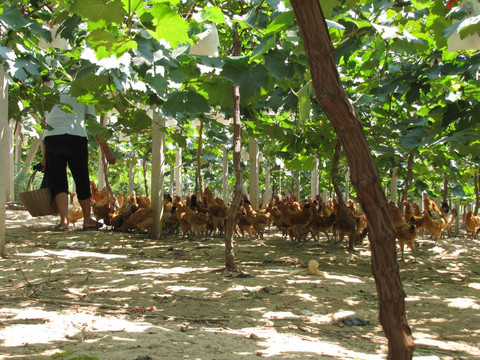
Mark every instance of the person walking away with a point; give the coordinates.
(66, 143)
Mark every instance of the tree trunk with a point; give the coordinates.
(237, 148)
(254, 166)
(475, 182)
(344, 119)
(199, 160)
(445, 189)
(145, 183)
(408, 180)
(3, 155)
(225, 173)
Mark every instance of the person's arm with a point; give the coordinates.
(111, 159)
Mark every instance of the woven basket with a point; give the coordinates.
(38, 202)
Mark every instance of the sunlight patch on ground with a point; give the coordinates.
(277, 344)
(308, 297)
(347, 279)
(463, 303)
(280, 315)
(165, 271)
(274, 344)
(71, 254)
(474, 286)
(448, 346)
(37, 326)
(186, 288)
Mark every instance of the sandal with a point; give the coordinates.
(60, 228)
(96, 226)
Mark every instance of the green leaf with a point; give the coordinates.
(277, 63)
(96, 10)
(13, 19)
(213, 14)
(266, 43)
(187, 102)
(169, 25)
(282, 22)
(251, 79)
(414, 138)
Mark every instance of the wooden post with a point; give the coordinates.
(178, 172)
(347, 185)
(158, 172)
(393, 186)
(268, 185)
(131, 177)
(3, 155)
(101, 161)
(314, 180)
(253, 161)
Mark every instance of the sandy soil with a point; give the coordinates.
(110, 295)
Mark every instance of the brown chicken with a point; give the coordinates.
(405, 232)
(276, 217)
(408, 211)
(297, 218)
(75, 212)
(141, 219)
(322, 220)
(128, 207)
(101, 204)
(217, 210)
(198, 220)
(471, 223)
(435, 225)
(259, 220)
(431, 206)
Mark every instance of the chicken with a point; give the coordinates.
(322, 220)
(408, 212)
(217, 210)
(259, 220)
(449, 215)
(197, 220)
(417, 219)
(432, 207)
(435, 225)
(405, 232)
(101, 204)
(128, 207)
(471, 223)
(346, 225)
(243, 223)
(141, 219)
(276, 217)
(75, 212)
(297, 219)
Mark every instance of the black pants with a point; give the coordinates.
(63, 150)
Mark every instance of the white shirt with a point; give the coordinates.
(66, 122)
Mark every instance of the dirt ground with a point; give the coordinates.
(119, 296)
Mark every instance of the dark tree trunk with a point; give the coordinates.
(408, 180)
(237, 148)
(445, 189)
(475, 182)
(346, 123)
(199, 160)
(145, 175)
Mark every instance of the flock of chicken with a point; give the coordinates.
(297, 221)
